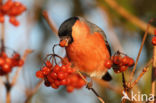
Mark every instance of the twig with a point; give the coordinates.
(2, 36)
(8, 97)
(49, 21)
(133, 19)
(145, 69)
(32, 92)
(92, 89)
(14, 80)
(8, 89)
(143, 41)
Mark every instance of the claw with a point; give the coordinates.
(89, 85)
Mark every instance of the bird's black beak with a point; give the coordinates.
(64, 42)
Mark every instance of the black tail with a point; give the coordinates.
(107, 77)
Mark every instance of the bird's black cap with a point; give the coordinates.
(65, 29)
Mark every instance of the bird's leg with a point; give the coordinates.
(89, 84)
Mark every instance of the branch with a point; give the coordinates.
(145, 69)
(49, 21)
(2, 36)
(14, 80)
(133, 19)
(32, 92)
(142, 44)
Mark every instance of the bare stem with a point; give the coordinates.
(140, 50)
(49, 21)
(14, 80)
(8, 97)
(133, 19)
(145, 69)
(32, 92)
(2, 36)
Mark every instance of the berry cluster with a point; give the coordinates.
(119, 62)
(56, 76)
(7, 63)
(154, 38)
(12, 9)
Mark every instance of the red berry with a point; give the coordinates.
(50, 79)
(155, 32)
(7, 6)
(2, 61)
(108, 64)
(61, 75)
(63, 82)
(6, 68)
(56, 68)
(125, 60)
(48, 64)
(69, 70)
(53, 75)
(53, 85)
(123, 68)
(80, 83)
(57, 83)
(68, 81)
(154, 40)
(1, 19)
(16, 56)
(39, 74)
(3, 55)
(45, 70)
(117, 59)
(63, 68)
(70, 89)
(63, 43)
(13, 21)
(8, 60)
(131, 62)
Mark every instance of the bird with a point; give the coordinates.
(86, 46)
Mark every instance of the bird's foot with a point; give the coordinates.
(89, 85)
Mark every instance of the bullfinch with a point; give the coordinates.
(86, 46)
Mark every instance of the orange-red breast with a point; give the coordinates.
(86, 46)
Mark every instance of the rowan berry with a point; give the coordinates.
(154, 40)
(70, 88)
(2, 61)
(116, 59)
(61, 75)
(6, 68)
(53, 75)
(108, 64)
(53, 85)
(48, 64)
(39, 74)
(45, 70)
(123, 68)
(125, 60)
(155, 32)
(131, 62)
